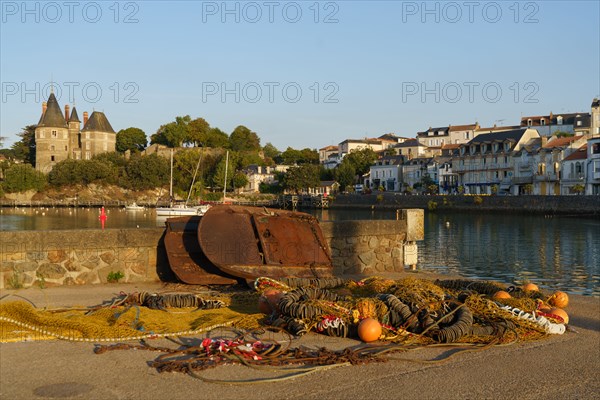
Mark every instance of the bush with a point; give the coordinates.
(23, 177)
(214, 196)
(477, 200)
(84, 172)
(147, 172)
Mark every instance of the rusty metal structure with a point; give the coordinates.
(235, 242)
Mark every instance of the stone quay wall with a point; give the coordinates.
(565, 205)
(81, 257)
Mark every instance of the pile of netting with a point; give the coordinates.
(412, 313)
(410, 310)
(129, 317)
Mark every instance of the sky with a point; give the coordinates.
(300, 74)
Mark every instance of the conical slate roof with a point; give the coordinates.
(53, 117)
(74, 117)
(98, 122)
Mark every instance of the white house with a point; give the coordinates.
(487, 161)
(592, 178)
(387, 172)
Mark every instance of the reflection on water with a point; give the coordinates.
(555, 253)
(41, 219)
(559, 252)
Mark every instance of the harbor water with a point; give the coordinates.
(555, 253)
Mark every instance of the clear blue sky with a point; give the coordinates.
(363, 68)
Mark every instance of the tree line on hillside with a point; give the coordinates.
(200, 147)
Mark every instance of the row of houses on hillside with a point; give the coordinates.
(518, 161)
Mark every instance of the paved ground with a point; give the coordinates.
(565, 367)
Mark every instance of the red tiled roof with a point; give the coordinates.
(327, 148)
(561, 141)
(580, 154)
(462, 127)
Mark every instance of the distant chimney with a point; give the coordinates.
(44, 107)
(67, 112)
(85, 117)
(544, 140)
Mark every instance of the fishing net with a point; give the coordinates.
(410, 310)
(19, 320)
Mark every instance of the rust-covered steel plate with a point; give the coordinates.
(186, 258)
(249, 242)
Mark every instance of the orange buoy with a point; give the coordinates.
(501, 294)
(561, 313)
(559, 299)
(369, 330)
(531, 287)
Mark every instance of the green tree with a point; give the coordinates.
(361, 160)
(243, 139)
(218, 178)
(301, 177)
(2, 139)
(293, 157)
(216, 138)
(71, 172)
(173, 134)
(345, 174)
(198, 132)
(148, 172)
(132, 139)
(240, 180)
(270, 151)
(24, 149)
(23, 177)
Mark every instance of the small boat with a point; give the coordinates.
(178, 210)
(181, 210)
(134, 207)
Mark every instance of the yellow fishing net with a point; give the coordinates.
(20, 321)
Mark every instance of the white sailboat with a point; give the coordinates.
(175, 210)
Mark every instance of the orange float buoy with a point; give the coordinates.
(501, 294)
(531, 287)
(561, 313)
(369, 330)
(559, 299)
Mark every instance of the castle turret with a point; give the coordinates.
(51, 136)
(97, 135)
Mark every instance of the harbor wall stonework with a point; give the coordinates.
(82, 257)
(565, 205)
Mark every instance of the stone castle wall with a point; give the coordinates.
(79, 257)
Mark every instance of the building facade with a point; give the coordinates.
(59, 136)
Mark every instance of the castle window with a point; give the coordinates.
(52, 148)
(51, 158)
(54, 134)
(529, 122)
(66, 149)
(559, 120)
(542, 122)
(88, 155)
(87, 145)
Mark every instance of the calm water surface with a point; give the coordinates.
(556, 253)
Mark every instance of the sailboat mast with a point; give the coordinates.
(225, 183)
(171, 182)
(194, 178)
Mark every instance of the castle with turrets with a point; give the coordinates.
(59, 136)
